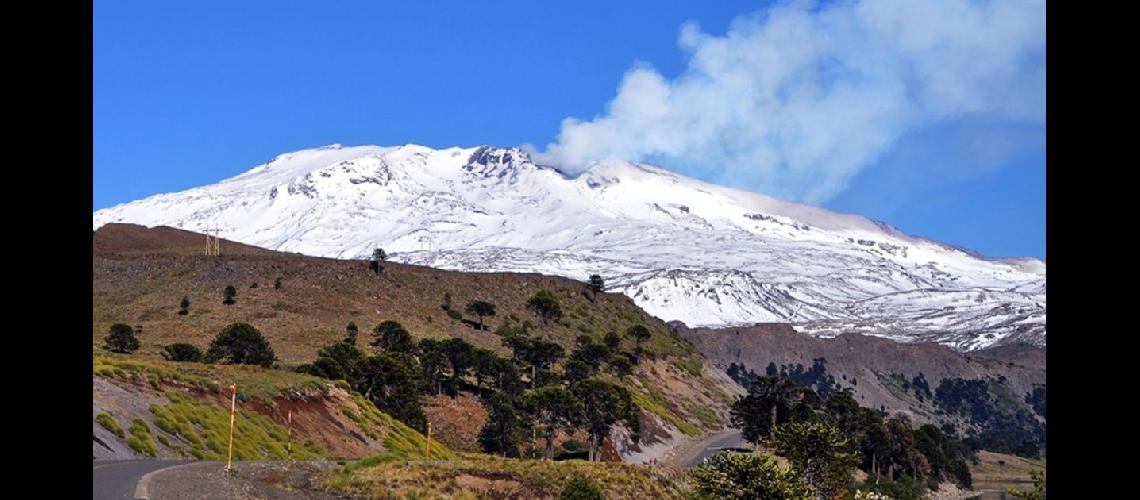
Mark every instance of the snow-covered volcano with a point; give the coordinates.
(681, 248)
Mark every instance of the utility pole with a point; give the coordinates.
(233, 409)
(213, 242)
(289, 435)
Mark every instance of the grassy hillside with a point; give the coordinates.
(141, 274)
(182, 410)
(318, 297)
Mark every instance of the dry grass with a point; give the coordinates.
(319, 297)
(485, 476)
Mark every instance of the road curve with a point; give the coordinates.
(693, 453)
(117, 479)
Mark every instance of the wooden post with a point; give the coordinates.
(289, 431)
(233, 409)
(427, 443)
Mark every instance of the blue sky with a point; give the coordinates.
(186, 94)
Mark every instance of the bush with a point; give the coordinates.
(182, 352)
(455, 315)
(571, 445)
(228, 295)
(740, 475)
(121, 339)
(108, 422)
(140, 440)
(240, 344)
(581, 488)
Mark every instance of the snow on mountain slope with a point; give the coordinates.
(681, 248)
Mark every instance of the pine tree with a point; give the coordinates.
(819, 454)
(506, 426)
(184, 306)
(481, 308)
(639, 334)
(554, 407)
(379, 256)
(229, 294)
(392, 337)
(121, 339)
(351, 332)
(545, 306)
(613, 341)
(240, 344)
(182, 352)
(597, 284)
(604, 404)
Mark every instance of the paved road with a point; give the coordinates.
(692, 455)
(117, 479)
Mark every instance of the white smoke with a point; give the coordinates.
(795, 100)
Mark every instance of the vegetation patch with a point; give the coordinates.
(205, 427)
(657, 408)
(400, 441)
(486, 476)
(108, 422)
(140, 440)
(253, 382)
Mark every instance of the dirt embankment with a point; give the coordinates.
(136, 414)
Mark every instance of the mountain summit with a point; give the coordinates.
(681, 248)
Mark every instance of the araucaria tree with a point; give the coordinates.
(481, 308)
(351, 331)
(229, 293)
(770, 401)
(182, 352)
(597, 284)
(184, 306)
(554, 407)
(639, 334)
(121, 339)
(506, 426)
(379, 256)
(536, 353)
(393, 386)
(603, 405)
(392, 337)
(240, 344)
(819, 455)
(739, 475)
(545, 307)
(612, 341)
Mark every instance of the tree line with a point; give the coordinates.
(778, 411)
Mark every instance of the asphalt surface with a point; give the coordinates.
(117, 479)
(711, 445)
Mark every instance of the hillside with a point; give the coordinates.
(882, 373)
(140, 275)
(681, 248)
(181, 410)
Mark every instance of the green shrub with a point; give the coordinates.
(140, 440)
(581, 488)
(108, 422)
(741, 475)
(455, 315)
(182, 352)
(242, 344)
(121, 339)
